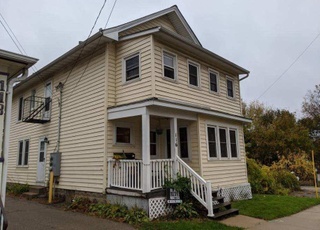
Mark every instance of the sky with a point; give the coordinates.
(265, 37)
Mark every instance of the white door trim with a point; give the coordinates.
(41, 166)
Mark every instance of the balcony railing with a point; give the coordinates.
(37, 109)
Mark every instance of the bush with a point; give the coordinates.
(17, 189)
(136, 216)
(287, 179)
(80, 204)
(184, 211)
(181, 185)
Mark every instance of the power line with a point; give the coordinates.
(94, 24)
(91, 55)
(11, 37)
(289, 66)
(114, 4)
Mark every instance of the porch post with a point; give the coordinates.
(146, 170)
(174, 144)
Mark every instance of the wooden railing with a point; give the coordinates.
(200, 188)
(125, 173)
(161, 170)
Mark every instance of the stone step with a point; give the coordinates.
(37, 189)
(226, 213)
(30, 195)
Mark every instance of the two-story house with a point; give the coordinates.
(146, 90)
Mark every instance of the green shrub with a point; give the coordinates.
(136, 216)
(181, 185)
(17, 189)
(254, 176)
(81, 204)
(287, 179)
(184, 211)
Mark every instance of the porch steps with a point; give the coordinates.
(222, 209)
(35, 191)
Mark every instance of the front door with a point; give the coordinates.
(41, 171)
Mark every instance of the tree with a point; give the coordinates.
(273, 133)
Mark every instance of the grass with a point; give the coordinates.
(186, 225)
(271, 207)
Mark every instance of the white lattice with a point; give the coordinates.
(158, 207)
(239, 192)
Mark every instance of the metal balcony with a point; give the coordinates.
(37, 109)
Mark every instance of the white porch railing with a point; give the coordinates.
(125, 173)
(160, 171)
(200, 189)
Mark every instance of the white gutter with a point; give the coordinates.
(7, 131)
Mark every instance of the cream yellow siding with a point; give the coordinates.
(181, 91)
(138, 89)
(222, 173)
(82, 129)
(162, 21)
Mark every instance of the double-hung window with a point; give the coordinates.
(132, 67)
(23, 152)
(153, 143)
(230, 90)
(123, 135)
(183, 138)
(169, 65)
(213, 78)
(193, 74)
(222, 142)
(20, 109)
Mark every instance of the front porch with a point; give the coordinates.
(163, 142)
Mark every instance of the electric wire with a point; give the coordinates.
(286, 70)
(114, 4)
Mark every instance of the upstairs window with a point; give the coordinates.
(169, 65)
(193, 74)
(213, 81)
(20, 109)
(23, 154)
(132, 67)
(230, 88)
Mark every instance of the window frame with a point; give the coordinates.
(188, 143)
(175, 69)
(123, 125)
(189, 62)
(124, 68)
(233, 88)
(228, 141)
(20, 104)
(23, 164)
(217, 79)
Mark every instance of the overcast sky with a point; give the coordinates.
(264, 37)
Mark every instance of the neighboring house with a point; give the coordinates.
(146, 89)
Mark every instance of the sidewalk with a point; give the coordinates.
(24, 215)
(308, 219)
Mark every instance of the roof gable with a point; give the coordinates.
(172, 15)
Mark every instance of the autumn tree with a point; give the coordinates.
(273, 133)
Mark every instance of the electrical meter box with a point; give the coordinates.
(55, 163)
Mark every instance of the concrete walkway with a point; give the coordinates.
(24, 215)
(308, 220)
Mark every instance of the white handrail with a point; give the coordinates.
(200, 188)
(161, 170)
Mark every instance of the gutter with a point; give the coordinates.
(247, 75)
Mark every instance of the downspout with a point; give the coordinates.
(247, 75)
(59, 87)
(7, 130)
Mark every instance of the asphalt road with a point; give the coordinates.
(24, 215)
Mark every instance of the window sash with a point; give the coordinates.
(168, 143)
(193, 74)
(213, 82)
(223, 143)
(123, 135)
(23, 154)
(233, 143)
(20, 154)
(153, 143)
(169, 65)
(26, 152)
(212, 142)
(132, 67)
(20, 112)
(230, 88)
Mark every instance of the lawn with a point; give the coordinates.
(271, 207)
(186, 225)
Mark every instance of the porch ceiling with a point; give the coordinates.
(154, 106)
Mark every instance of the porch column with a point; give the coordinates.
(174, 144)
(146, 169)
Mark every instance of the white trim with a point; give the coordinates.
(190, 62)
(41, 139)
(228, 78)
(123, 125)
(124, 76)
(174, 105)
(23, 154)
(175, 65)
(135, 35)
(218, 80)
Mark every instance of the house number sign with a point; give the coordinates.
(173, 197)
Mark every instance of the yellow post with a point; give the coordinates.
(50, 187)
(314, 174)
